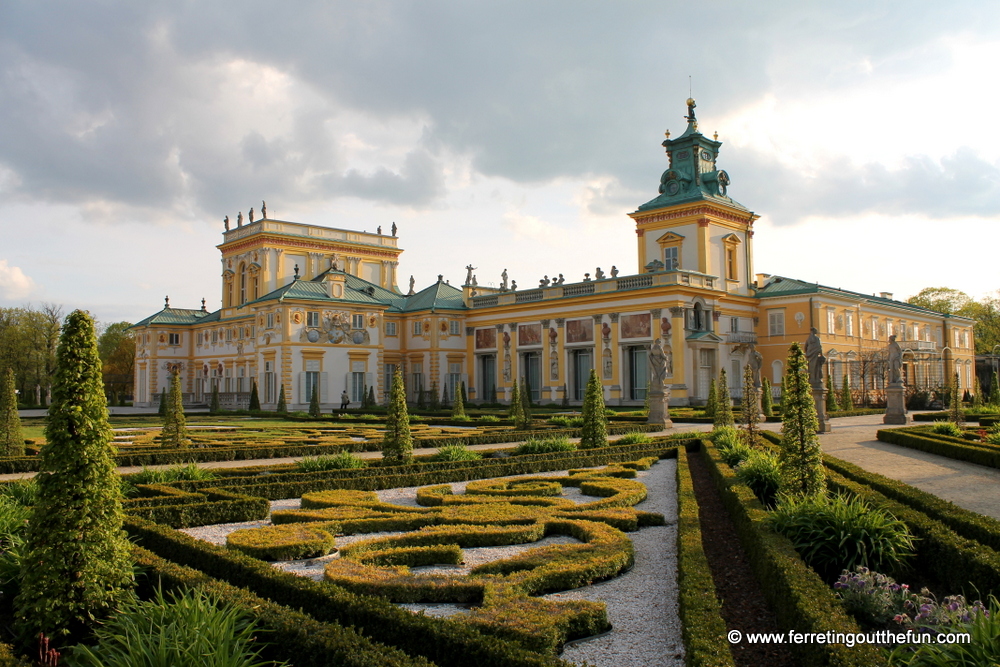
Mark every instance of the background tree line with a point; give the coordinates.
(986, 312)
(28, 338)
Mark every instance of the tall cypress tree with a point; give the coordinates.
(565, 398)
(458, 409)
(282, 407)
(465, 396)
(76, 567)
(712, 403)
(525, 423)
(314, 410)
(397, 444)
(371, 397)
(516, 411)
(995, 389)
(766, 404)
(435, 397)
(800, 458)
(846, 399)
(723, 402)
(162, 409)
(750, 415)
(955, 413)
(595, 419)
(254, 396)
(174, 433)
(831, 395)
(11, 438)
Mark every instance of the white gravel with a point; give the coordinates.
(641, 604)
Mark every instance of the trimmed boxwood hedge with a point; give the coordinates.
(799, 597)
(703, 628)
(290, 542)
(953, 448)
(220, 506)
(287, 634)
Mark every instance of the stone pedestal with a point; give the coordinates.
(895, 405)
(659, 408)
(819, 397)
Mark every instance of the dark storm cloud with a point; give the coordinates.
(118, 101)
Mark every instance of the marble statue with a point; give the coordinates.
(468, 274)
(756, 362)
(657, 366)
(226, 222)
(614, 271)
(412, 283)
(599, 275)
(250, 215)
(586, 277)
(379, 230)
(544, 282)
(475, 283)
(239, 219)
(895, 353)
(503, 281)
(561, 280)
(513, 286)
(263, 210)
(394, 229)
(815, 358)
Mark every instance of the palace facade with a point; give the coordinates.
(311, 306)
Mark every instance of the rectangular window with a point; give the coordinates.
(229, 335)
(215, 337)
(453, 327)
(454, 379)
(174, 339)
(488, 378)
(734, 326)
(389, 374)
(270, 320)
(358, 387)
(849, 322)
(312, 319)
(731, 264)
(776, 323)
(418, 328)
(229, 380)
(671, 259)
(312, 376)
(201, 337)
(390, 328)
(638, 372)
(416, 379)
(357, 321)
(831, 321)
(269, 394)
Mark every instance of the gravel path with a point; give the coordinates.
(642, 603)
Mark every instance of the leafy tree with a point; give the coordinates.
(977, 396)
(712, 403)
(516, 411)
(397, 444)
(800, 457)
(525, 423)
(11, 438)
(314, 410)
(595, 420)
(254, 397)
(76, 567)
(766, 402)
(955, 404)
(723, 402)
(282, 407)
(941, 299)
(846, 400)
(985, 312)
(174, 433)
(458, 409)
(831, 395)
(750, 415)
(116, 345)
(213, 407)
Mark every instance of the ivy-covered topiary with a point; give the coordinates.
(831, 396)
(254, 397)
(371, 397)
(174, 433)
(955, 413)
(282, 408)
(11, 438)
(750, 415)
(515, 412)
(595, 421)
(723, 402)
(766, 402)
(458, 409)
(712, 402)
(397, 444)
(76, 567)
(800, 458)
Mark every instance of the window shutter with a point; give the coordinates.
(324, 393)
(302, 388)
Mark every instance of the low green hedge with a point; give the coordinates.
(443, 642)
(288, 634)
(703, 628)
(290, 542)
(799, 597)
(951, 448)
(220, 506)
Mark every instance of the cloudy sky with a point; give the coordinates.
(510, 135)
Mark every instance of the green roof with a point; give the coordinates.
(778, 286)
(440, 295)
(183, 316)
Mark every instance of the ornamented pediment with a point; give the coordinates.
(670, 238)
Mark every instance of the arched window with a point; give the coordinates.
(243, 283)
(777, 371)
(699, 317)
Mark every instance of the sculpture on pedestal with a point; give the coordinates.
(815, 358)
(895, 354)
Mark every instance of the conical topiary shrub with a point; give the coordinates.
(214, 407)
(282, 407)
(712, 402)
(11, 437)
(516, 411)
(831, 395)
(766, 404)
(800, 458)
(458, 409)
(846, 401)
(524, 424)
(254, 396)
(314, 402)
(174, 433)
(595, 419)
(76, 566)
(723, 402)
(397, 443)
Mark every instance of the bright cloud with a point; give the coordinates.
(14, 284)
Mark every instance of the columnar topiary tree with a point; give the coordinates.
(254, 396)
(977, 396)
(525, 423)
(565, 398)
(723, 402)
(397, 444)
(458, 409)
(995, 389)
(955, 413)
(314, 402)
(76, 567)
(435, 397)
(282, 407)
(766, 403)
(515, 412)
(445, 398)
(371, 397)
(465, 396)
(11, 438)
(162, 409)
(595, 420)
(831, 395)
(174, 433)
(846, 399)
(712, 403)
(213, 407)
(750, 415)
(800, 458)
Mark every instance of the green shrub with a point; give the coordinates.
(22, 491)
(760, 471)
(723, 413)
(724, 437)
(285, 542)
(185, 628)
(947, 428)
(595, 421)
(341, 461)
(838, 533)
(800, 458)
(457, 452)
(11, 438)
(397, 443)
(545, 445)
(566, 421)
(634, 438)
(489, 419)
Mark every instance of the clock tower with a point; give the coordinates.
(693, 225)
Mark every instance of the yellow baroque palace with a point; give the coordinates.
(308, 306)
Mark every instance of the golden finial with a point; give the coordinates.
(716, 136)
(667, 134)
